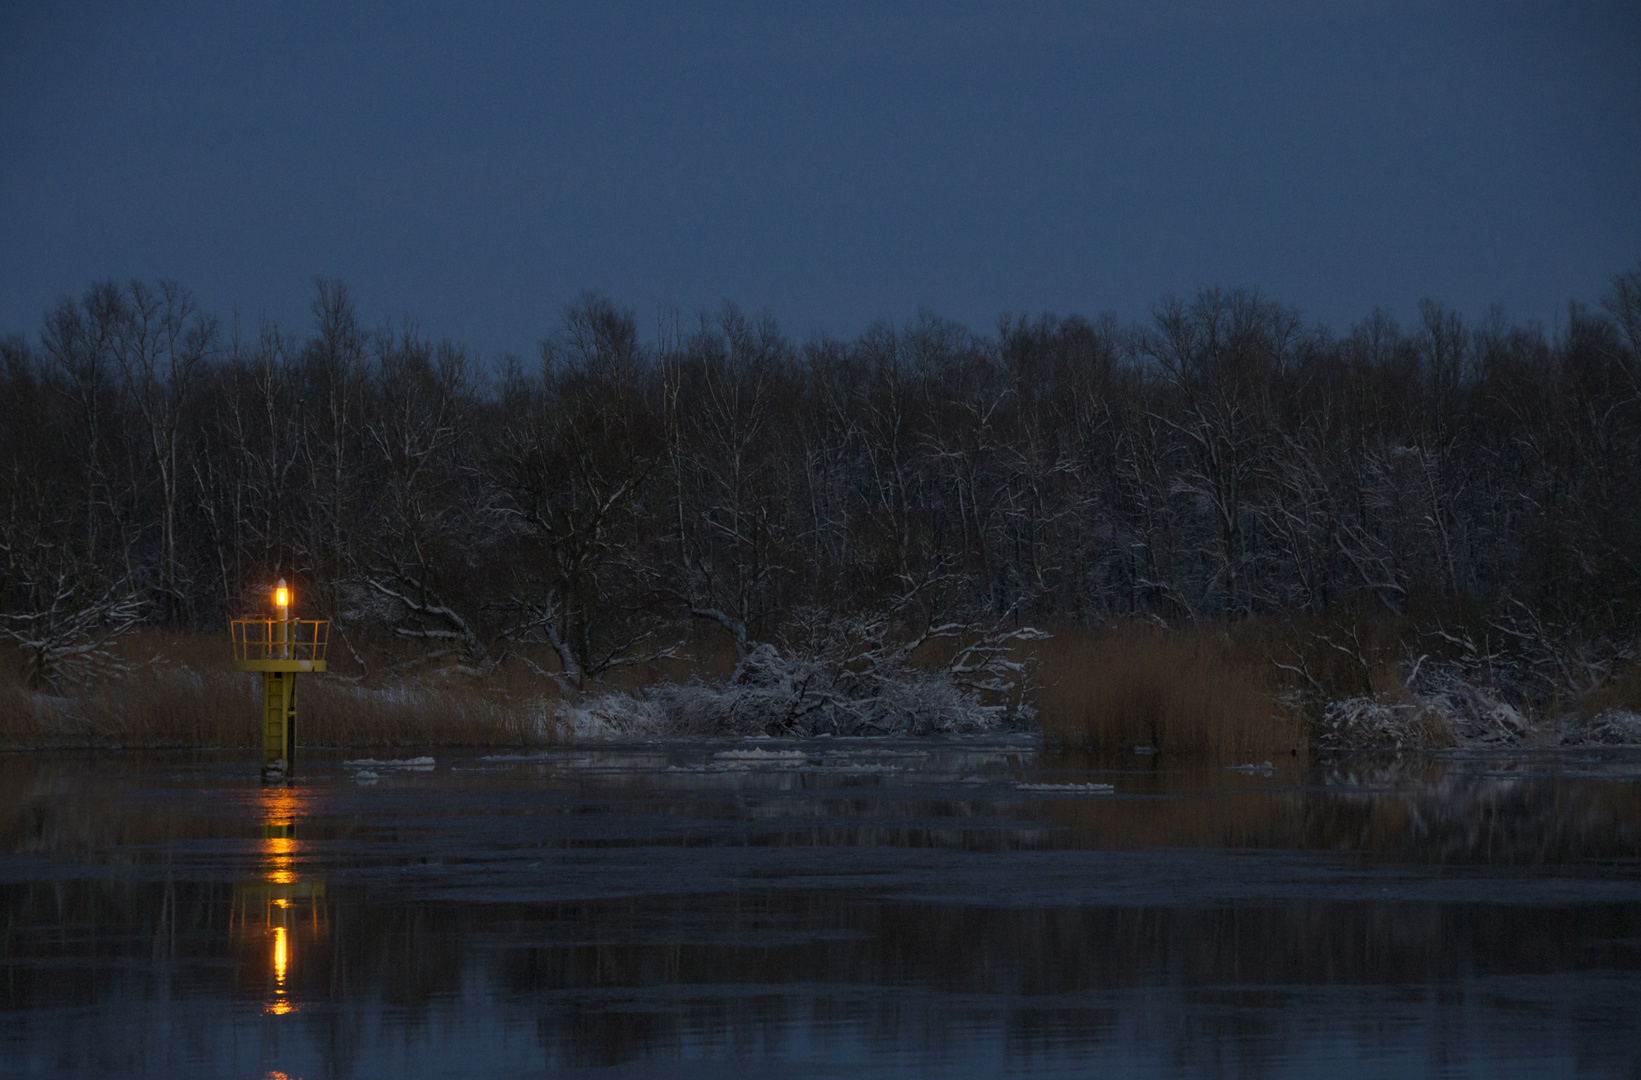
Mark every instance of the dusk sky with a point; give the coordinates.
(477, 165)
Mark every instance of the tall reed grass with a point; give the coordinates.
(182, 692)
(183, 708)
(1193, 692)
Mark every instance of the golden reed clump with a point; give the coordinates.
(1195, 692)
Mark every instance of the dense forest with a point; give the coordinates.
(626, 487)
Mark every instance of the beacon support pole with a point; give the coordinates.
(279, 648)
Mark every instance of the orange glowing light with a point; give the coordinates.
(282, 595)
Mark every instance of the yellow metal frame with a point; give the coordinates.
(280, 644)
(279, 648)
(278, 721)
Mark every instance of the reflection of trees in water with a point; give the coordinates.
(62, 807)
(608, 980)
(1416, 808)
(1548, 810)
(1470, 812)
(612, 980)
(616, 980)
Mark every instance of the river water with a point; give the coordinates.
(832, 908)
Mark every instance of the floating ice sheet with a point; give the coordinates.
(1070, 789)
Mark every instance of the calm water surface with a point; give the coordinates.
(829, 908)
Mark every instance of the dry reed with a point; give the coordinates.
(153, 709)
(1191, 693)
(181, 692)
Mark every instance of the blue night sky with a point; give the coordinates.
(477, 165)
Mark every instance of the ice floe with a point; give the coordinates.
(1069, 789)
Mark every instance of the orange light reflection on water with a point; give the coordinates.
(279, 856)
(279, 850)
(282, 958)
(279, 847)
(280, 1005)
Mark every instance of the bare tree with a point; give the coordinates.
(726, 469)
(579, 449)
(66, 630)
(162, 341)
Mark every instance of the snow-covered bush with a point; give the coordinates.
(1614, 727)
(832, 692)
(1364, 723)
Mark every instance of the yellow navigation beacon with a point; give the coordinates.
(279, 647)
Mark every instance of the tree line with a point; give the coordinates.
(1222, 460)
